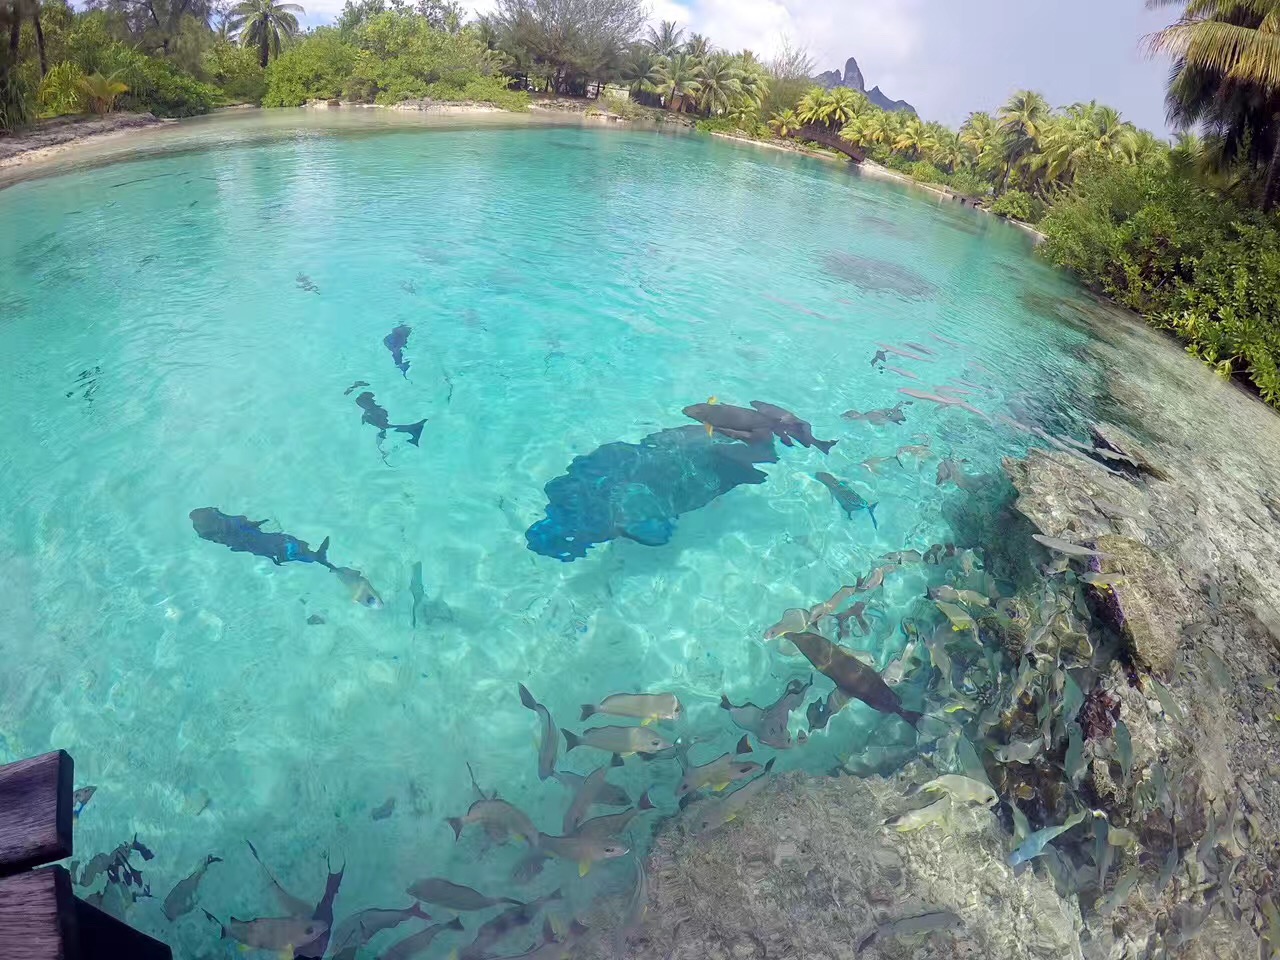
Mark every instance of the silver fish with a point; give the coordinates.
(904, 556)
(416, 943)
(642, 706)
(1066, 547)
(294, 906)
(610, 795)
(550, 744)
(718, 773)
(1017, 752)
(715, 813)
(271, 933)
(359, 928)
(637, 909)
(586, 795)
(612, 824)
(182, 898)
(622, 740)
(910, 926)
(454, 896)
(499, 819)
(793, 620)
(584, 850)
(769, 724)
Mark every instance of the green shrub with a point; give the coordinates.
(1190, 259)
(620, 106)
(317, 67)
(236, 72)
(60, 90)
(1019, 205)
(17, 99)
(925, 172)
(896, 161)
(401, 58)
(968, 184)
(158, 87)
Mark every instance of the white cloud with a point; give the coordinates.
(882, 33)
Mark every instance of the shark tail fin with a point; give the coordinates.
(911, 716)
(526, 698)
(825, 445)
(414, 430)
(322, 555)
(222, 931)
(457, 825)
(871, 512)
(724, 702)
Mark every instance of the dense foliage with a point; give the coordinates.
(387, 57)
(1191, 260)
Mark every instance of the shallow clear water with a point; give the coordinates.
(163, 350)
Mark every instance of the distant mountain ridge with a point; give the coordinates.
(852, 78)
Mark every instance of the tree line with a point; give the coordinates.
(1186, 231)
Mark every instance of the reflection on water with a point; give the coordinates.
(460, 742)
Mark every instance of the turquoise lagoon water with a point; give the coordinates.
(180, 331)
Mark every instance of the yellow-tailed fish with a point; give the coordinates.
(936, 812)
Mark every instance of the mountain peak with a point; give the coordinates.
(853, 79)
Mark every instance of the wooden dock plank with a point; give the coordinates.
(37, 916)
(35, 812)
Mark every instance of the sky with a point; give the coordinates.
(946, 58)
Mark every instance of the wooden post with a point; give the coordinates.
(35, 811)
(40, 917)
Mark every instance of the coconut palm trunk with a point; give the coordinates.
(44, 59)
(1271, 185)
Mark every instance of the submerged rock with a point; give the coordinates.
(1133, 455)
(810, 871)
(1148, 600)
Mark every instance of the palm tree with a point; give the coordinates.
(754, 79)
(639, 71)
(944, 150)
(265, 24)
(27, 10)
(698, 46)
(101, 92)
(855, 131)
(665, 39)
(1021, 120)
(786, 123)
(720, 84)
(880, 126)
(809, 107)
(1227, 77)
(979, 135)
(678, 79)
(911, 138)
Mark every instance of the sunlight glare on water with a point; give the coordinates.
(183, 331)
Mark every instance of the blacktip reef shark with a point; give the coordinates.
(242, 535)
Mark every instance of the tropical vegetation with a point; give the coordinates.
(1186, 233)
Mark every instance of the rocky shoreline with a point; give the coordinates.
(1176, 852)
(52, 137)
